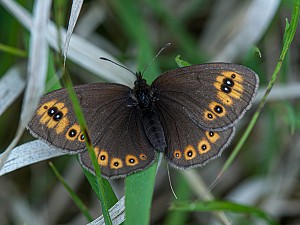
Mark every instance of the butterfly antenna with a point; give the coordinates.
(170, 182)
(162, 49)
(109, 60)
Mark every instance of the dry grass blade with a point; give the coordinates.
(27, 154)
(117, 214)
(246, 24)
(76, 7)
(11, 86)
(37, 70)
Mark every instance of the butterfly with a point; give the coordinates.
(187, 113)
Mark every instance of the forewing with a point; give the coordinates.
(214, 95)
(113, 124)
(55, 122)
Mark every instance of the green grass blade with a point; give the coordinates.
(178, 30)
(288, 37)
(73, 195)
(183, 192)
(138, 196)
(225, 206)
(12, 50)
(100, 181)
(110, 194)
(136, 29)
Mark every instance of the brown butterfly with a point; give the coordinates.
(187, 113)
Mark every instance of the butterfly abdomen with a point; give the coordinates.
(153, 129)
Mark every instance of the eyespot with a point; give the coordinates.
(143, 156)
(58, 116)
(52, 111)
(102, 156)
(177, 154)
(116, 163)
(189, 152)
(203, 146)
(209, 115)
(228, 82)
(131, 160)
(225, 89)
(81, 137)
(73, 132)
(212, 136)
(217, 108)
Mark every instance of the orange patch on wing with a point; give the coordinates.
(212, 136)
(143, 156)
(208, 115)
(213, 105)
(189, 152)
(116, 163)
(177, 154)
(44, 108)
(102, 156)
(203, 146)
(73, 130)
(225, 99)
(131, 160)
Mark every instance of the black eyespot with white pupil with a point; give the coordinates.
(102, 157)
(116, 164)
(218, 109)
(189, 153)
(204, 147)
(131, 160)
(229, 82)
(57, 116)
(209, 115)
(211, 134)
(72, 133)
(52, 111)
(225, 88)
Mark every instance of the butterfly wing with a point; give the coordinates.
(188, 145)
(198, 107)
(123, 148)
(214, 96)
(113, 124)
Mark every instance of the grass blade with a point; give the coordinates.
(138, 196)
(288, 37)
(222, 205)
(72, 194)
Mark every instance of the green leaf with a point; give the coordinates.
(183, 192)
(138, 196)
(181, 62)
(110, 194)
(105, 202)
(12, 50)
(222, 205)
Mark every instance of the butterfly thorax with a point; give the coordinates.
(142, 93)
(150, 120)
